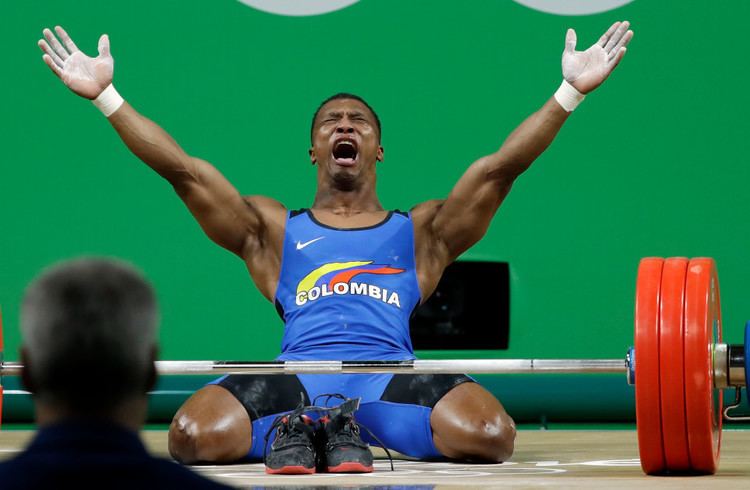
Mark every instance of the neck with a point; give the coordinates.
(361, 199)
(340, 195)
(130, 414)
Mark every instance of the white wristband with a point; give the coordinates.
(108, 101)
(568, 97)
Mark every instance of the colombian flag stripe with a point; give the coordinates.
(311, 279)
(347, 275)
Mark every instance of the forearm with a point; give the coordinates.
(152, 144)
(527, 141)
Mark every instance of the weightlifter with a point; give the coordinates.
(344, 275)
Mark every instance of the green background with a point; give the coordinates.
(652, 163)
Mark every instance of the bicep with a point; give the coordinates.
(463, 218)
(221, 211)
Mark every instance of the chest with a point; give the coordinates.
(308, 246)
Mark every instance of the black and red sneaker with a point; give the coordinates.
(293, 451)
(343, 449)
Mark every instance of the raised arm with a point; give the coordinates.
(462, 219)
(225, 216)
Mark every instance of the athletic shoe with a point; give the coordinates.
(293, 451)
(340, 443)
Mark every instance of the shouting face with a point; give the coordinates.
(346, 143)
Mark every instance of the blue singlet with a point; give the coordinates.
(347, 294)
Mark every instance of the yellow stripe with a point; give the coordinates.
(309, 280)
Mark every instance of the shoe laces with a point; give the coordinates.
(292, 426)
(346, 411)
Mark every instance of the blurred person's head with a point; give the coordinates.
(89, 341)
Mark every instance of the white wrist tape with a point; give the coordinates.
(108, 101)
(568, 97)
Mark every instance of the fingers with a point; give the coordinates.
(570, 41)
(52, 65)
(605, 37)
(616, 60)
(55, 44)
(51, 54)
(621, 44)
(69, 44)
(616, 37)
(104, 45)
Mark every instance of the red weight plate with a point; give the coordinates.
(671, 364)
(647, 397)
(702, 329)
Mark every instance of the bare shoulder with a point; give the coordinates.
(269, 231)
(423, 216)
(268, 209)
(423, 213)
(430, 252)
(263, 249)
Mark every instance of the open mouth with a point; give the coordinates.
(345, 152)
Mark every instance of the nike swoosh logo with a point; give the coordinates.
(301, 245)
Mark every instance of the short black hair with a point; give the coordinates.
(345, 95)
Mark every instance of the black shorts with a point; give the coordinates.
(399, 417)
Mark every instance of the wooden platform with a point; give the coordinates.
(549, 459)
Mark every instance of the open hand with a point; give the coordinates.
(84, 75)
(586, 70)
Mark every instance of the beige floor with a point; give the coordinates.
(556, 459)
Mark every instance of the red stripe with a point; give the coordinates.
(346, 276)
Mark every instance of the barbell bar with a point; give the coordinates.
(728, 368)
(679, 373)
(417, 366)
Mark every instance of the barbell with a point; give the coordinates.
(679, 372)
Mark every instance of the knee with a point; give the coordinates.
(182, 440)
(190, 442)
(494, 438)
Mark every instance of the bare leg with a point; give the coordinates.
(469, 423)
(211, 427)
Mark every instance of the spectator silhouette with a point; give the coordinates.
(89, 345)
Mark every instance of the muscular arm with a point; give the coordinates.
(228, 219)
(462, 219)
(224, 215)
